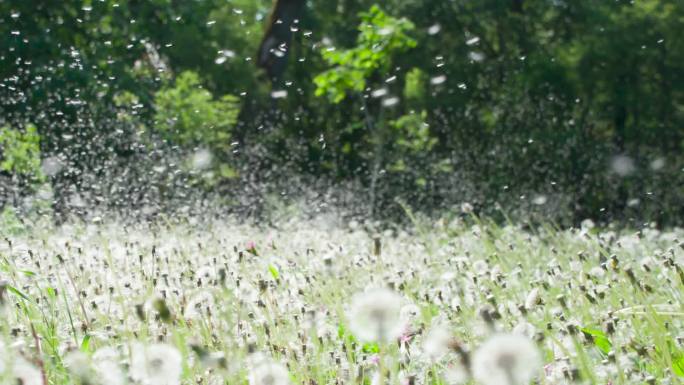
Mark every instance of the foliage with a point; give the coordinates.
(599, 338)
(413, 133)
(493, 102)
(188, 114)
(10, 222)
(21, 152)
(415, 87)
(380, 37)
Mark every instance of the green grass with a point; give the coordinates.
(608, 308)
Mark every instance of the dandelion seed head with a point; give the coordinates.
(269, 373)
(532, 299)
(455, 374)
(375, 315)
(106, 365)
(78, 364)
(587, 224)
(24, 372)
(156, 364)
(436, 342)
(506, 359)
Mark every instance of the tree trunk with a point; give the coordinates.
(275, 45)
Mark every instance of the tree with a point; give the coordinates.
(275, 45)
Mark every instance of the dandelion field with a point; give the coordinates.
(462, 301)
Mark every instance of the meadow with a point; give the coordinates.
(449, 302)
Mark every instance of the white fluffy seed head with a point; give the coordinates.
(375, 316)
(436, 342)
(157, 364)
(532, 299)
(106, 365)
(269, 373)
(455, 374)
(78, 364)
(24, 373)
(506, 359)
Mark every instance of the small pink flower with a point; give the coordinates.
(406, 337)
(374, 359)
(251, 248)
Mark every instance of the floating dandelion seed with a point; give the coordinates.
(506, 359)
(385, 31)
(279, 94)
(380, 92)
(473, 40)
(390, 102)
(539, 200)
(157, 364)
(622, 165)
(224, 55)
(51, 166)
(657, 164)
(434, 29)
(269, 373)
(201, 159)
(438, 80)
(375, 316)
(476, 56)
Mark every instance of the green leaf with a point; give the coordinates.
(678, 366)
(370, 347)
(274, 272)
(599, 338)
(341, 331)
(19, 293)
(381, 37)
(85, 344)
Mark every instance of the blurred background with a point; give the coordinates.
(533, 110)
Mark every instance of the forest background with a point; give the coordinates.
(527, 109)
